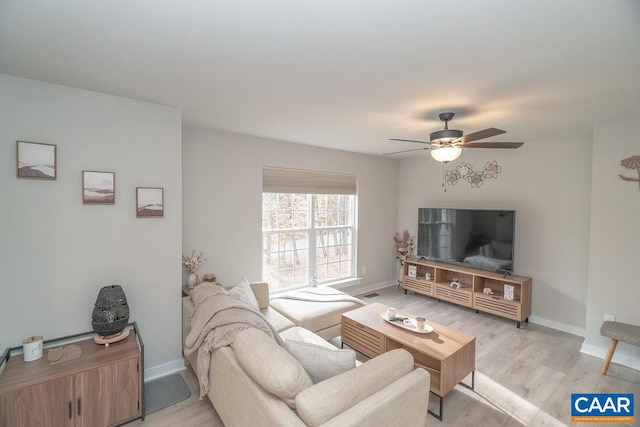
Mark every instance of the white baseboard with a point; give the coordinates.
(570, 329)
(164, 370)
(620, 359)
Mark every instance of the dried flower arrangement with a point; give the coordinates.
(403, 245)
(192, 262)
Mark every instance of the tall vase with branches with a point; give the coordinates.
(403, 247)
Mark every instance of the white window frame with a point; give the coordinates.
(312, 230)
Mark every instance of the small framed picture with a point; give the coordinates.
(98, 188)
(412, 270)
(508, 292)
(149, 202)
(36, 160)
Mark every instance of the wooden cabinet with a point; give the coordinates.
(104, 387)
(434, 279)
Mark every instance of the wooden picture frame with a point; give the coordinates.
(98, 188)
(35, 160)
(149, 202)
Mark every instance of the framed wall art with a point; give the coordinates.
(98, 188)
(36, 160)
(149, 202)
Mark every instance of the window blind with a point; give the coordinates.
(281, 180)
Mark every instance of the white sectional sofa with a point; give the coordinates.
(255, 381)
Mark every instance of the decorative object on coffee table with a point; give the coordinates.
(110, 315)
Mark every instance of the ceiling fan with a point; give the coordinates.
(446, 145)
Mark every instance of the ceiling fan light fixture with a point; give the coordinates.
(446, 154)
(445, 136)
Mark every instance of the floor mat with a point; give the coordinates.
(163, 392)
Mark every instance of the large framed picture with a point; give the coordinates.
(149, 202)
(36, 160)
(98, 188)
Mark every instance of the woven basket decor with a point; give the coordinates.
(111, 311)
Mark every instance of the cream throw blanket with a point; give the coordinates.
(215, 322)
(325, 294)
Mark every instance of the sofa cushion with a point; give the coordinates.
(315, 315)
(319, 361)
(270, 365)
(243, 292)
(205, 290)
(277, 320)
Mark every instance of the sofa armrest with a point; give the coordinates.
(403, 402)
(326, 399)
(261, 291)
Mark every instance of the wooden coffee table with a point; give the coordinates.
(448, 354)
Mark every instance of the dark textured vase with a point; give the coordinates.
(111, 311)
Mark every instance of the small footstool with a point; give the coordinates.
(318, 309)
(618, 331)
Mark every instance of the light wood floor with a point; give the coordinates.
(524, 377)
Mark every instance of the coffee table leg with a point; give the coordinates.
(439, 415)
(473, 381)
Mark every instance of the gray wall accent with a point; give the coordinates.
(548, 183)
(222, 175)
(56, 253)
(614, 269)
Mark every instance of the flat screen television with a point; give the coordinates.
(472, 237)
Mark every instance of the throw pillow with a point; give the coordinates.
(320, 362)
(242, 292)
(270, 366)
(204, 291)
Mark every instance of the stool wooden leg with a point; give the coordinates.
(607, 360)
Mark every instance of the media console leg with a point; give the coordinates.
(405, 291)
(518, 324)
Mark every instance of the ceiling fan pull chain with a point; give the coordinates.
(444, 176)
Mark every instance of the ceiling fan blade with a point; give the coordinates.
(409, 140)
(481, 134)
(406, 151)
(492, 145)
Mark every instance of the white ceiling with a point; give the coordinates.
(344, 74)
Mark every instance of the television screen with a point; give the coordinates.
(477, 238)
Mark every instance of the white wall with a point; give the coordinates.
(614, 269)
(222, 175)
(548, 184)
(55, 252)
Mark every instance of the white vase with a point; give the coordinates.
(191, 280)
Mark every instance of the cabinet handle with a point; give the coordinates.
(70, 411)
(79, 406)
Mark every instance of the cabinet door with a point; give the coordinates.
(108, 395)
(46, 404)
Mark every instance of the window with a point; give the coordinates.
(306, 237)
